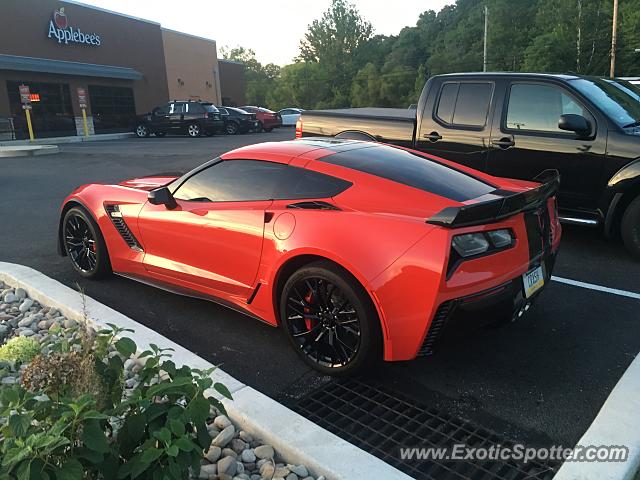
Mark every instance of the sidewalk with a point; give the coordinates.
(71, 139)
(27, 150)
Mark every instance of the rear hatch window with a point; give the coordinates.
(412, 170)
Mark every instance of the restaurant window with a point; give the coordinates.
(113, 108)
(51, 113)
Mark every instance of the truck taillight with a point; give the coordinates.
(299, 128)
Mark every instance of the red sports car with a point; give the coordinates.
(357, 250)
(267, 119)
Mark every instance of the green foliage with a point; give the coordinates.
(342, 63)
(155, 430)
(19, 350)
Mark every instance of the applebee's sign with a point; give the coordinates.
(60, 30)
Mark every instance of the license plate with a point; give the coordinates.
(533, 281)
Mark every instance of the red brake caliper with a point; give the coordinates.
(308, 322)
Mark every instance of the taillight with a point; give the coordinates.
(299, 128)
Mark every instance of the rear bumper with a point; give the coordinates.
(460, 316)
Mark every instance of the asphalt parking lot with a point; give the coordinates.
(540, 380)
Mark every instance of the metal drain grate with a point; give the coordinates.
(381, 423)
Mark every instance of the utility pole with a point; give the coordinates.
(486, 30)
(614, 34)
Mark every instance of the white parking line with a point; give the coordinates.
(600, 288)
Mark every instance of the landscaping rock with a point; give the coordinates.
(281, 472)
(221, 422)
(21, 293)
(267, 470)
(213, 454)
(227, 465)
(68, 323)
(248, 456)
(245, 436)
(238, 445)
(224, 436)
(291, 476)
(299, 470)
(208, 471)
(27, 332)
(228, 452)
(10, 298)
(264, 451)
(25, 305)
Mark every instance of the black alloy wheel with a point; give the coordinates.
(329, 320)
(232, 128)
(84, 244)
(142, 131)
(193, 130)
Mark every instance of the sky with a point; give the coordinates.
(273, 29)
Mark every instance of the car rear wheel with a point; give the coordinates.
(193, 130)
(259, 127)
(329, 319)
(630, 228)
(142, 131)
(84, 244)
(232, 128)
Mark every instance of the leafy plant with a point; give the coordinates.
(19, 350)
(157, 429)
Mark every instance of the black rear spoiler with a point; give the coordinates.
(495, 210)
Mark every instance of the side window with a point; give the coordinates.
(301, 183)
(177, 108)
(195, 107)
(465, 104)
(161, 111)
(538, 107)
(232, 181)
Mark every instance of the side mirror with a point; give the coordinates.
(162, 196)
(574, 123)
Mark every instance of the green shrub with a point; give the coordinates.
(156, 431)
(19, 350)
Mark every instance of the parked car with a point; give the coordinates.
(276, 230)
(237, 120)
(290, 116)
(517, 124)
(267, 119)
(193, 118)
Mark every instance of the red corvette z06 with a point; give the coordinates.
(357, 250)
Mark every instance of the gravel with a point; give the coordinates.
(234, 454)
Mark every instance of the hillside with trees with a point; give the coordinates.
(343, 63)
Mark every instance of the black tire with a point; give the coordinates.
(194, 130)
(232, 128)
(84, 244)
(160, 134)
(630, 228)
(259, 127)
(142, 131)
(343, 308)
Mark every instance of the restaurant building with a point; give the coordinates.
(123, 65)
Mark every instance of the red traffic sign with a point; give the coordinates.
(25, 94)
(82, 97)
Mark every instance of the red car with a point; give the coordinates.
(357, 250)
(267, 119)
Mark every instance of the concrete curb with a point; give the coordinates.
(294, 437)
(28, 150)
(617, 423)
(72, 139)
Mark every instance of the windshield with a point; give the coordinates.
(618, 99)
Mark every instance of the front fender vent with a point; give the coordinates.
(116, 218)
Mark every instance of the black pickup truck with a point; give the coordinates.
(517, 125)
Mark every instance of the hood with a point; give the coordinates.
(150, 182)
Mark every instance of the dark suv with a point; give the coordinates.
(179, 117)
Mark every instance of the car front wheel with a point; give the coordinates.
(84, 244)
(142, 131)
(193, 130)
(630, 228)
(329, 319)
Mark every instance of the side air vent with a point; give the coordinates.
(436, 328)
(313, 205)
(116, 218)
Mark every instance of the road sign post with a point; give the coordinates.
(82, 101)
(25, 98)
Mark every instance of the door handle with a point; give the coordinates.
(433, 136)
(504, 143)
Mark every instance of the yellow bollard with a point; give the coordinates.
(84, 122)
(29, 126)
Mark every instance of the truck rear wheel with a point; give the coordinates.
(630, 228)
